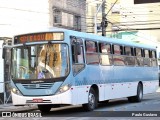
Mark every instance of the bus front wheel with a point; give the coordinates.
(44, 108)
(139, 96)
(92, 101)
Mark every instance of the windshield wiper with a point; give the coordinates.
(45, 59)
(45, 62)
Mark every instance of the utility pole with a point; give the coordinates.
(104, 20)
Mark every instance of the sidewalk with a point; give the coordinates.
(11, 108)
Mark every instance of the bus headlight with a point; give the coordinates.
(15, 91)
(64, 88)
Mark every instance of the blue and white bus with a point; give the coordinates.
(58, 66)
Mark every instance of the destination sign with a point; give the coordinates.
(36, 37)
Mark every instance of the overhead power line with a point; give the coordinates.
(138, 21)
(142, 24)
(135, 29)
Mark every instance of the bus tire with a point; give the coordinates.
(44, 108)
(92, 101)
(139, 96)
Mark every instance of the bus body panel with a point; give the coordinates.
(112, 81)
(79, 94)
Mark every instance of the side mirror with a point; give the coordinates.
(3, 53)
(6, 55)
(78, 47)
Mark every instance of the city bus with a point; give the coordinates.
(64, 67)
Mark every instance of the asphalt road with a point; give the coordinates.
(149, 107)
(119, 109)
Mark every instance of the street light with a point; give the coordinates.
(95, 17)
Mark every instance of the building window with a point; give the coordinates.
(66, 19)
(57, 16)
(77, 23)
(98, 5)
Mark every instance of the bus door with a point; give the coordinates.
(78, 67)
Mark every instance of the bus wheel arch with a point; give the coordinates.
(139, 96)
(93, 98)
(96, 89)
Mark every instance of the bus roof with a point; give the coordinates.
(91, 36)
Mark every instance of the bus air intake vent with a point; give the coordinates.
(38, 86)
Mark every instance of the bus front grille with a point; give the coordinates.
(38, 86)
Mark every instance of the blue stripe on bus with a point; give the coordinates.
(118, 74)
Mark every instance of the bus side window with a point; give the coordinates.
(153, 58)
(118, 58)
(105, 53)
(129, 53)
(91, 52)
(138, 57)
(147, 61)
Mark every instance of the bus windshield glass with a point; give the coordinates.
(45, 61)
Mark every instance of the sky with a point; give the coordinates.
(22, 15)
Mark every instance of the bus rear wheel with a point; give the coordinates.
(139, 96)
(44, 108)
(92, 101)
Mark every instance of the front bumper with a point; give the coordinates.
(63, 98)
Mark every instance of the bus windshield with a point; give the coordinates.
(40, 61)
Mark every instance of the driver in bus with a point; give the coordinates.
(44, 70)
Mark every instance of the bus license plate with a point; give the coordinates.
(37, 100)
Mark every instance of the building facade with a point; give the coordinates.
(125, 19)
(94, 10)
(69, 14)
